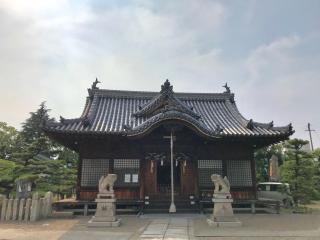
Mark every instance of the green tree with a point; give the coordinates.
(33, 140)
(57, 175)
(31, 155)
(8, 140)
(298, 171)
(316, 154)
(49, 165)
(8, 174)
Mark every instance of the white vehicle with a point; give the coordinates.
(275, 191)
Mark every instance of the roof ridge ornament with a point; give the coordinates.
(166, 88)
(250, 124)
(227, 88)
(94, 84)
(271, 125)
(164, 102)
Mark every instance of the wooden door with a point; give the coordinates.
(188, 178)
(149, 180)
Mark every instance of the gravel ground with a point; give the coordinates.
(51, 229)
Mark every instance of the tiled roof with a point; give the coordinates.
(132, 112)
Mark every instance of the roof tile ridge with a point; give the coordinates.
(232, 106)
(86, 107)
(92, 110)
(203, 96)
(249, 123)
(82, 118)
(151, 94)
(287, 128)
(234, 112)
(123, 93)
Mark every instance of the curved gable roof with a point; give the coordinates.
(131, 112)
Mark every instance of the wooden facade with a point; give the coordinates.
(123, 132)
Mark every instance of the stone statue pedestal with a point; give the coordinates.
(222, 212)
(105, 215)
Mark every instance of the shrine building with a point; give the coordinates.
(143, 136)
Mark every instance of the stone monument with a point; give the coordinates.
(274, 173)
(105, 215)
(222, 212)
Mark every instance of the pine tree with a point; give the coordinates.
(298, 170)
(33, 140)
(46, 163)
(57, 175)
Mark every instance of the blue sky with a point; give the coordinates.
(268, 51)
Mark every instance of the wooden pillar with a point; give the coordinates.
(253, 172)
(141, 177)
(225, 158)
(78, 188)
(194, 163)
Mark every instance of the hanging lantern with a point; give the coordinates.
(151, 166)
(161, 162)
(184, 166)
(176, 163)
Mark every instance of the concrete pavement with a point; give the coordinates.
(176, 226)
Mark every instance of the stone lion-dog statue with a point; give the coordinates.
(221, 185)
(106, 183)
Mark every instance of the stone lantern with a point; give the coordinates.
(24, 188)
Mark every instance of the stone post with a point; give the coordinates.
(48, 201)
(4, 209)
(41, 208)
(27, 210)
(40, 203)
(15, 209)
(9, 210)
(2, 197)
(21, 209)
(35, 207)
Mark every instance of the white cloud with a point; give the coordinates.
(283, 83)
(52, 50)
(276, 53)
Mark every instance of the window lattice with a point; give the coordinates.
(126, 163)
(127, 171)
(239, 173)
(210, 164)
(92, 170)
(206, 168)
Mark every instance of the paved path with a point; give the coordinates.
(167, 228)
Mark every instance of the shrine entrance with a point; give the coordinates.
(164, 178)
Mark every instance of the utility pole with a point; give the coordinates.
(310, 130)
